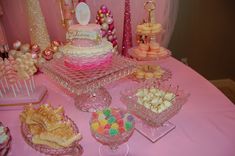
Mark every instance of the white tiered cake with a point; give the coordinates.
(86, 48)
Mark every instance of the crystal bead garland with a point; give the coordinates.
(37, 26)
(127, 35)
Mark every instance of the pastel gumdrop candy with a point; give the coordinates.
(100, 130)
(107, 112)
(95, 115)
(106, 131)
(111, 119)
(101, 116)
(103, 122)
(95, 126)
(117, 115)
(120, 122)
(107, 126)
(113, 132)
(130, 118)
(121, 129)
(115, 126)
(128, 125)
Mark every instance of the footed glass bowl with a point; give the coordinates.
(74, 149)
(112, 145)
(128, 97)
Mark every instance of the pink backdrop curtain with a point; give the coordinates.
(3, 40)
(14, 18)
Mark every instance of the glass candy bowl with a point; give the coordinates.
(74, 149)
(113, 145)
(153, 125)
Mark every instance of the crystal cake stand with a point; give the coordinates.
(86, 86)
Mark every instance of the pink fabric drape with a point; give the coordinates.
(15, 16)
(3, 39)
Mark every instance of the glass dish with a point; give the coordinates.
(5, 146)
(151, 118)
(165, 76)
(98, 99)
(134, 56)
(153, 125)
(74, 149)
(112, 145)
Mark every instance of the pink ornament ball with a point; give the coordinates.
(114, 37)
(109, 20)
(103, 33)
(104, 11)
(115, 47)
(17, 45)
(111, 26)
(101, 15)
(102, 20)
(34, 55)
(114, 31)
(35, 48)
(47, 54)
(109, 32)
(110, 38)
(103, 7)
(114, 42)
(105, 26)
(56, 43)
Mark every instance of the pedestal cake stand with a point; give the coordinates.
(86, 86)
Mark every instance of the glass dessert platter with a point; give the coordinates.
(75, 149)
(132, 54)
(113, 145)
(86, 86)
(148, 48)
(163, 77)
(150, 124)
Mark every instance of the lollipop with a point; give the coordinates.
(11, 74)
(13, 64)
(2, 72)
(25, 69)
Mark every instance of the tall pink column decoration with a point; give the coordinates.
(37, 26)
(127, 35)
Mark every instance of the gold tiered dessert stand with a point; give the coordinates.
(146, 38)
(86, 86)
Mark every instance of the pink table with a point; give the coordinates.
(204, 127)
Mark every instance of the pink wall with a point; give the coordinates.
(15, 21)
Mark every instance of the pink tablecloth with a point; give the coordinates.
(204, 127)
